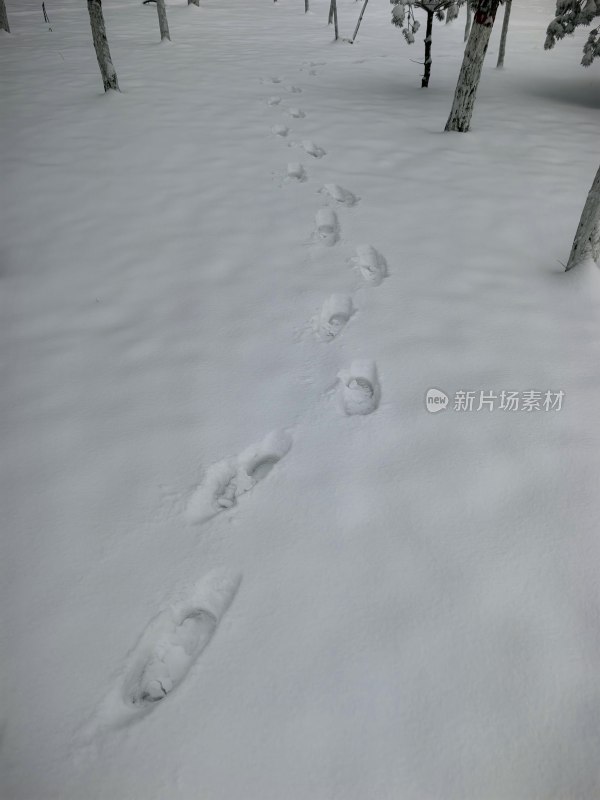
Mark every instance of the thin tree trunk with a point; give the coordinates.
(362, 11)
(306, 6)
(4, 26)
(335, 22)
(428, 35)
(502, 49)
(330, 18)
(470, 71)
(469, 19)
(162, 20)
(193, 2)
(587, 238)
(107, 70)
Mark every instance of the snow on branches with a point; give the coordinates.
(571, 14)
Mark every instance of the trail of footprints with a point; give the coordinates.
(176, 637)
(359, 388)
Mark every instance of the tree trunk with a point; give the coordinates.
(193, 2)
(306, 6)
(362, 11)
(330, 19)
(335, 22)
(428, 35)
(470, 71)
(4, 26)
(502, 50)
(162, 20)
(587, 238)
(468, 22)
(107, 70)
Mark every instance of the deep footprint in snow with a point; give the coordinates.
(297, 113)
(280, 130)
(296, 171)
(372, 265)
(341, 195)
(327, 225)
(274, 101)
(227, 480)
(360, 390)
(334, 315)
(313, 149)
(166, 651)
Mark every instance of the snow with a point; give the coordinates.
(418, 615)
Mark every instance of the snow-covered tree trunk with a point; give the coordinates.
(505, 22)
(587, 238)
(162, 20)
(468, 21)
(4, 26)
(107, 70)
(484, 15)
(428, 35)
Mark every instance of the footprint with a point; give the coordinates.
(293, 89)
(360, 390)
(297, 113)
(327, 226)
(270, 80)
(371, 263)
(274, 100)
(335, 313)
(280, 130)
(165, 652)
(296, 171)
(340, 194)
(313, 149)
(227, 480)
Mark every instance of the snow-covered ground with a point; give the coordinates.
(418, 613)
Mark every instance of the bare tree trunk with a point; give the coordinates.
(502, 49)
(330, 18)
(362, 11)
(193, 2)
(306, 6)
(587, 238)
(469, 19)
(470, 71)
(162, 20)
(335, 22)
(4, 26)
(107, 70)
(428, 35)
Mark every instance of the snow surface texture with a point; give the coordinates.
(419, 612)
